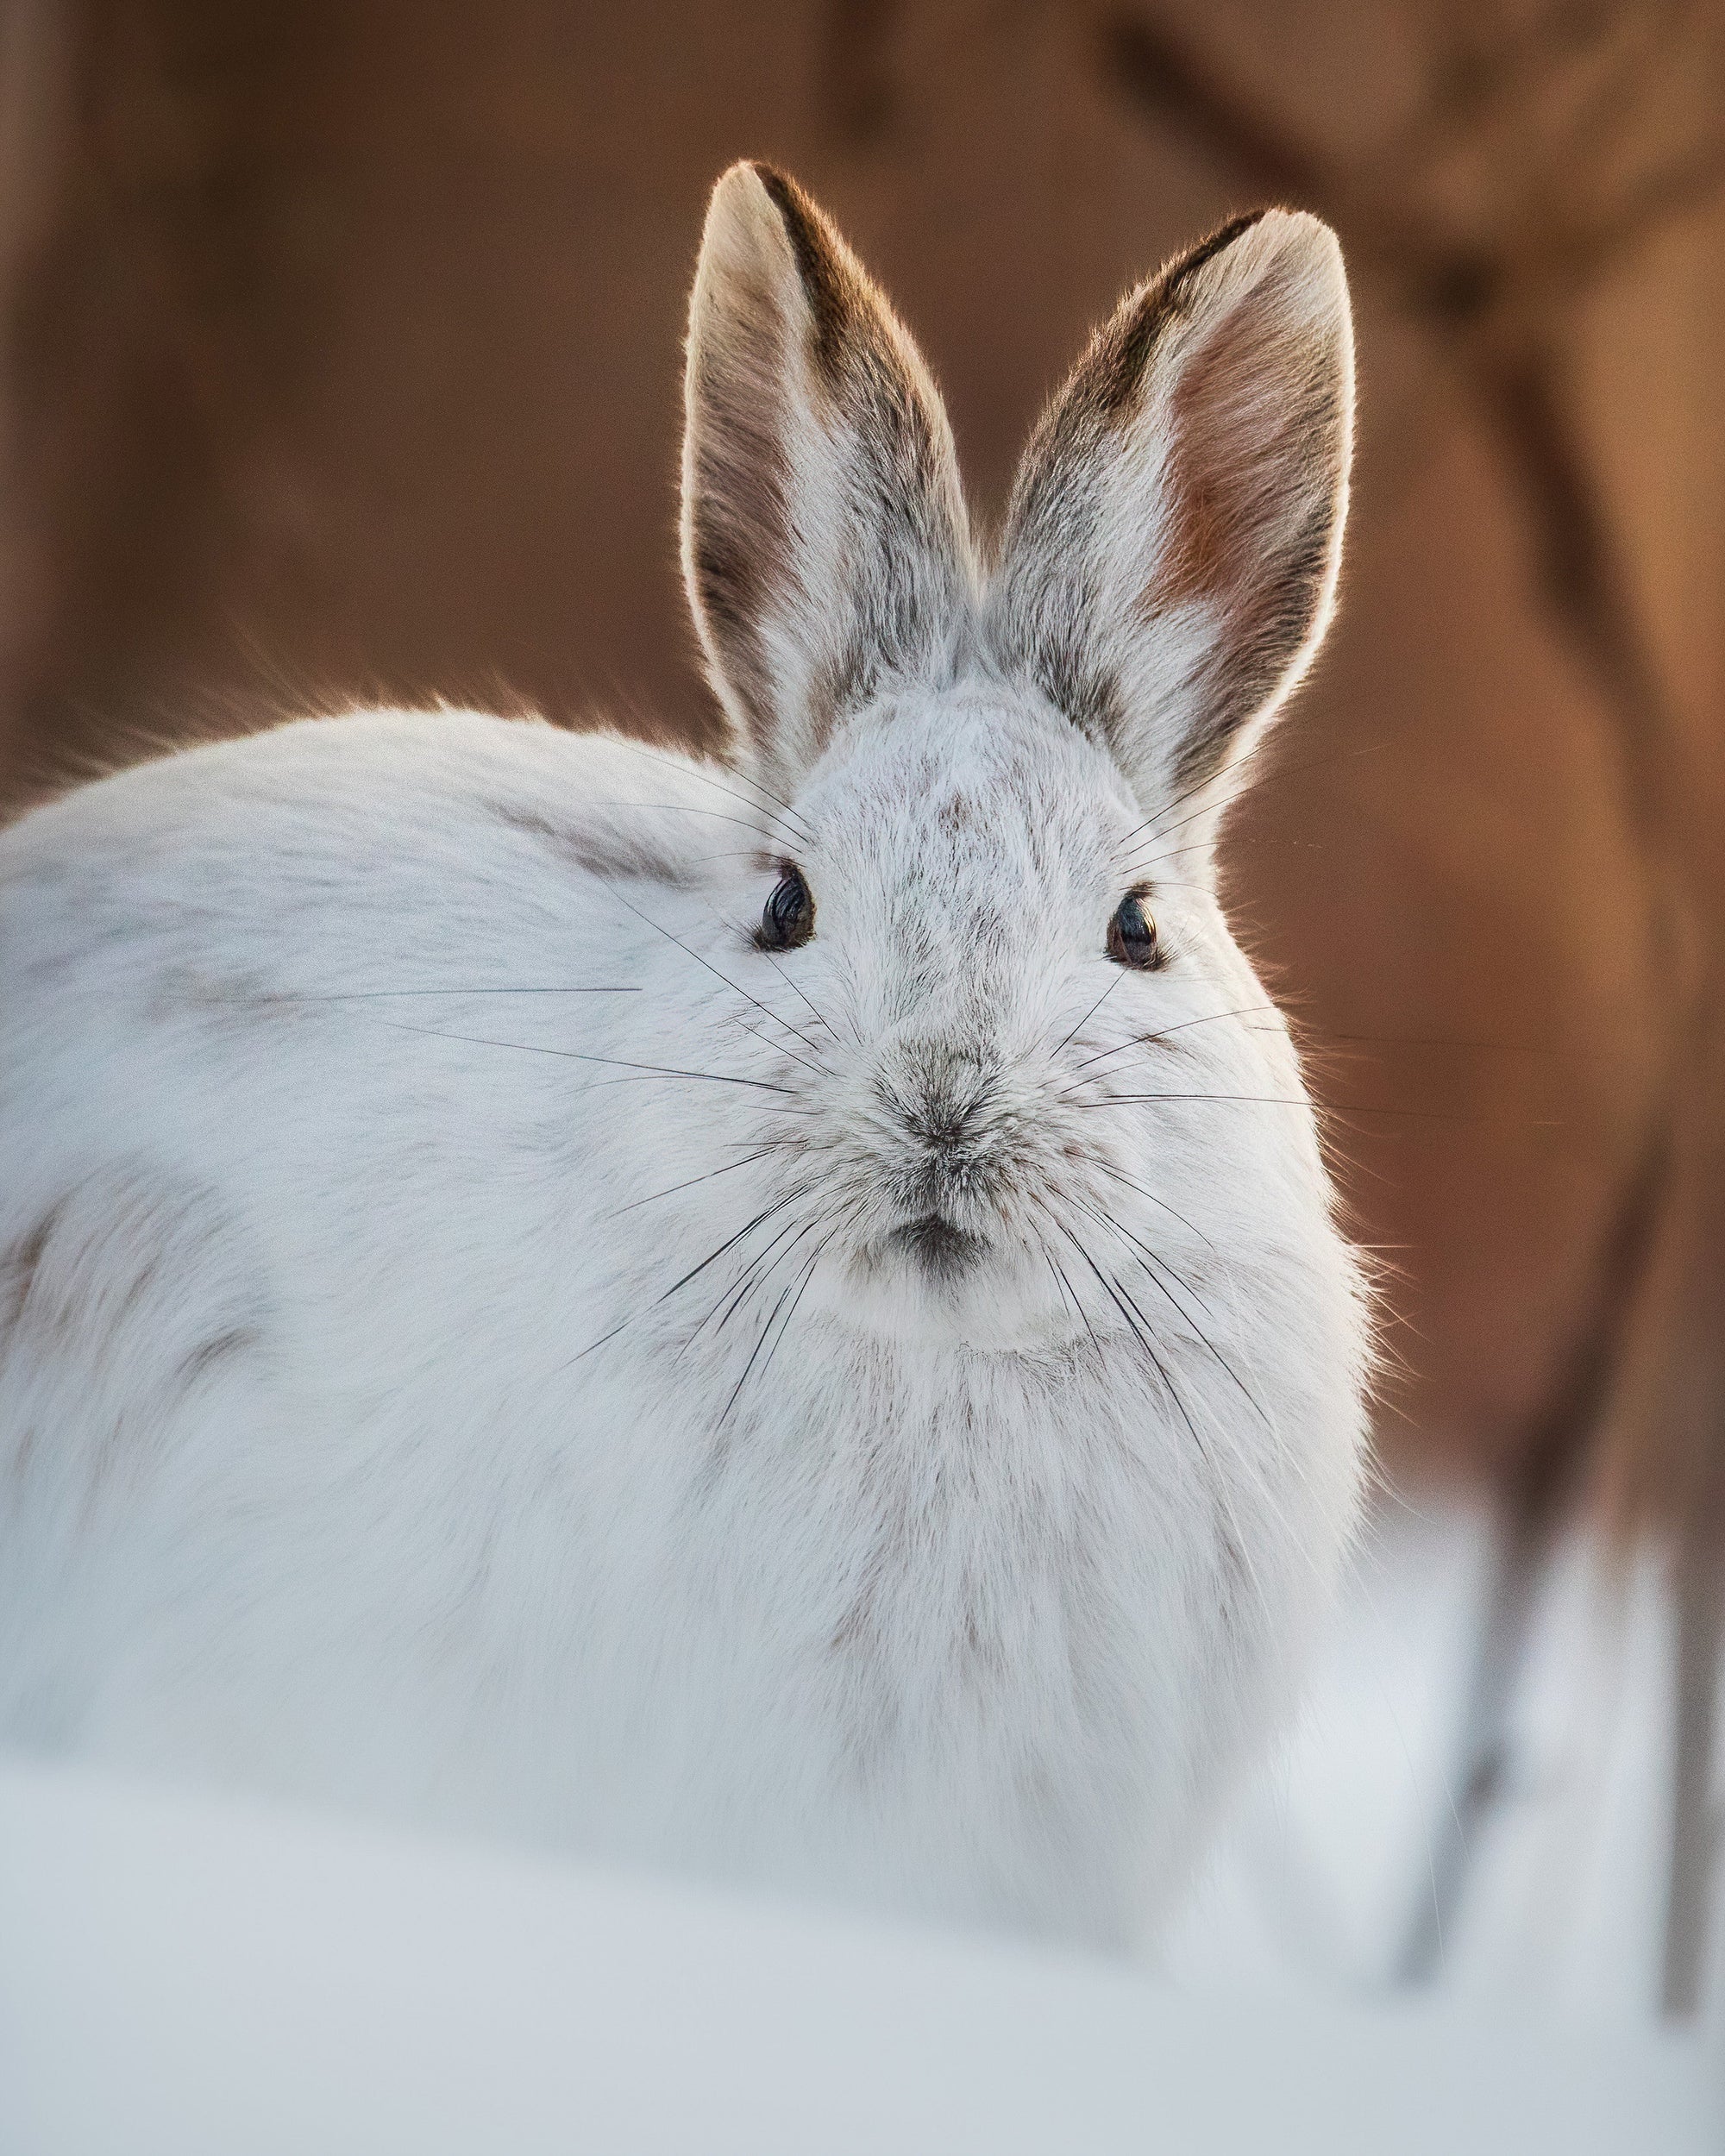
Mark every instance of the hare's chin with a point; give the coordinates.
(929, 1281)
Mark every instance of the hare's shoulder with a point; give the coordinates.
(333, 854)
(360, 789)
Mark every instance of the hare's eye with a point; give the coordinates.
(1132, 934)
(787, 918)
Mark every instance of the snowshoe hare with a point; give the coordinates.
(778, 1316)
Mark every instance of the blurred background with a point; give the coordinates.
(339, 360)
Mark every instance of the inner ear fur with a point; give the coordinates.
(1169, 562)
(825, 544)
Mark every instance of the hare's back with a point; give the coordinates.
(281, 957)
(434, 819)
(190, 922)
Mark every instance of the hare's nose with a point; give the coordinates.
(938, 1093)
(942, 1119)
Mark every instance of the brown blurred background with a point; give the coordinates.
(340, 350)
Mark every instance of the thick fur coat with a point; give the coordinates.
(865, 1397)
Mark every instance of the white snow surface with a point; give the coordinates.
(186, 1976)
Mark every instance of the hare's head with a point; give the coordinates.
(991, 781)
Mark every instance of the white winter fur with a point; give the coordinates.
(398, 1406)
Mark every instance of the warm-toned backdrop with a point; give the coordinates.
(341, 352)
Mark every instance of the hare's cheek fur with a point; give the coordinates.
(482, 1337)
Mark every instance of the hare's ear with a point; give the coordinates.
(826, 547)
(1169, 563)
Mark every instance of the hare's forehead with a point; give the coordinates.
(969, 791)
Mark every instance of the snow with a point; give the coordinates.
(186, 1976)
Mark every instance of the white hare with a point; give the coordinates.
(779, 1316)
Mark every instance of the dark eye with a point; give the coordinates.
(787, 918)
(1132, 934)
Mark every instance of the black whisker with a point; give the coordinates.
(1247, 781)
(670, 1191)
(729, 1243)
(1150, 1265)
(577, 1055)
(1077, 1300)
(1145, 1191)
(1163, 1033)
(1089, 1015)
(754, 1352)
(1281, 1100)
(1152, 824)
(1122, 1100)
(1155, 838)
(683, 808)
(599, 1343)
(1139, 1330)
(801, 1286)
(367, 995)
(778, 1048)
(796, 988)
(1061, 1280)
(754, 1275)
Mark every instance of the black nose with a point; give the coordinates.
(940, 1098)
(942, 1120)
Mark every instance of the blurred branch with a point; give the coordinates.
(1543, 1480)
(1489, 73)
(1656, 199)
(1519, 391)
(1697, 1821)
(1189, 92)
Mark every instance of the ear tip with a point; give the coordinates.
(745, 225)
(1299, 252)
(755, 187)
(1297, 237)
(1295, 253)
(739, 189)
(1292, 222)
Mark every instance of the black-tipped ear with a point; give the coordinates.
(826, 546)
(1169, 564)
